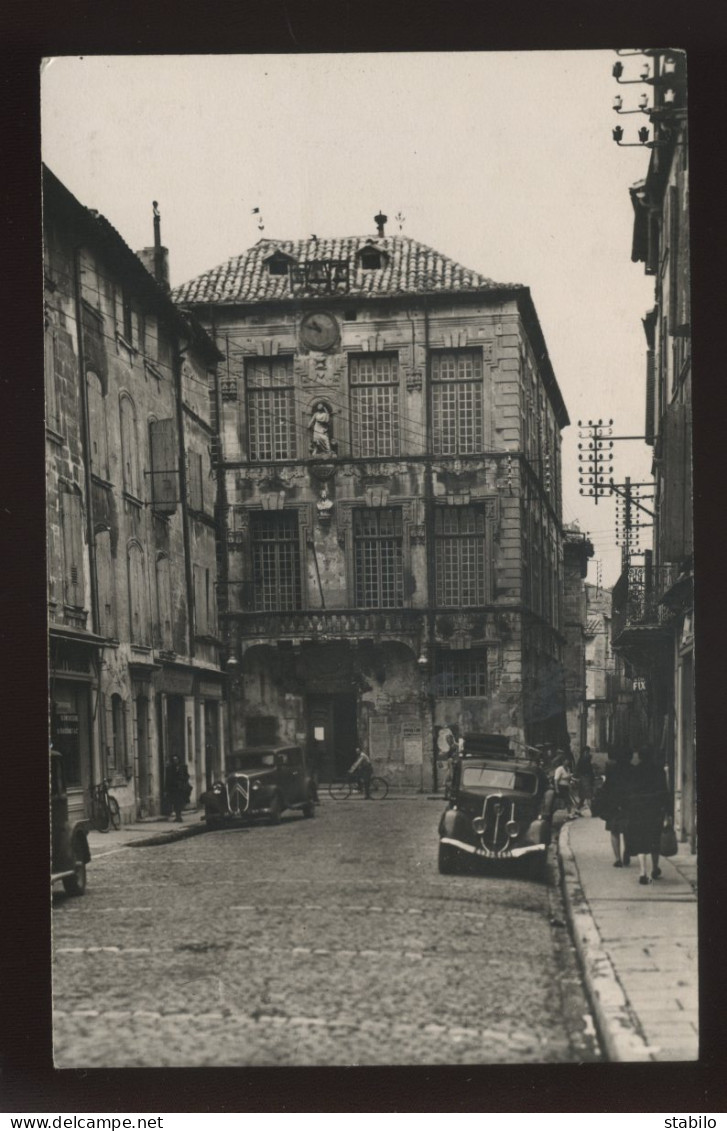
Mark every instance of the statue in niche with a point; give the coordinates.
(321, 442)
(324, 506)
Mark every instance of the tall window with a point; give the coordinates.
(377, 540)
(117, 738)
(74, 591)
(129, 447)
(460, 674)
(270, 408)
(457, 402)
(106, 583)
(460, 556)
(205, 608)
(164, 604)
(375, 405)
(138, 601)
(51, 400)
(275, 560)
(97, 426)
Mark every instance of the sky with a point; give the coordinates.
(502, 160)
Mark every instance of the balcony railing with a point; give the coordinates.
(331, 623)
(637, 595)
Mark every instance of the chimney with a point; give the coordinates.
(156, 259)
(380, 220)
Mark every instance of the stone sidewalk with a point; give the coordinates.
(637, 945)
(149, 831)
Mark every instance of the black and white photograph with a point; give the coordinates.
(368, 441)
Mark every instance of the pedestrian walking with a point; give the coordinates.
(585, 774)
(177, 785)
(612, 805)
(647, 807)
(562, 781)
(363, 769)
(452, 755)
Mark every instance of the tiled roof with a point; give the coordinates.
(410, 268)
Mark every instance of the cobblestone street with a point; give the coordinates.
(325, 941)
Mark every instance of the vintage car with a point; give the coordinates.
(261, 781)
(500, 808)
(69, 839)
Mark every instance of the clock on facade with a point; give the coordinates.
(318, 331)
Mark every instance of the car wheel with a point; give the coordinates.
(309, 809)
(76, 884)
(448, 860)
(276, 809)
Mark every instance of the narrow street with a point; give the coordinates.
(325, 941)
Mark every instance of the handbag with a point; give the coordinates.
(668, 840)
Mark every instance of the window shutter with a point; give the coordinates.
(151, 340)
(683, 308)
(74, 588)
(200, 602)
(673, 512)
(164, 471)
(196, 496)
(650, 397)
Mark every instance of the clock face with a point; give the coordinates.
(319, 331)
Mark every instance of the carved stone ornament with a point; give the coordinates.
(318, 371)
(417, 534)
(413, 380)
(322, 471)
(324, 507)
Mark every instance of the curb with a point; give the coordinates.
(168, 837)
(618, 1027)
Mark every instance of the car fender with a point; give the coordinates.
(79, 843)
(454, 824)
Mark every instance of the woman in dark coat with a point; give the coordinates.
(647, 806)
(614, 805)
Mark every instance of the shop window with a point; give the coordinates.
(270, 408)
(378, 558)
(457, 410)
(275, 560)
(459, 675)
(460, 555)
(374, 404)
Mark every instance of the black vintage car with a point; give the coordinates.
(261, 781)
(69, 839)
(500, 808)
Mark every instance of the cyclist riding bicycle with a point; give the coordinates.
(362, 770)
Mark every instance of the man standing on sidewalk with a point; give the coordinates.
(177, 785)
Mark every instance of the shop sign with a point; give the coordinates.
(66, 724)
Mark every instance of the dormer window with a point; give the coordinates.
(278, 265)
(371, 259)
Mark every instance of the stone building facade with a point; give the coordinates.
(577, 549)
(654, 598)
(390, 461)
(132, 547)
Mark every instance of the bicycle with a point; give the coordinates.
(105, 812)
(342, 789)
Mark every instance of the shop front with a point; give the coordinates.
(73, 696)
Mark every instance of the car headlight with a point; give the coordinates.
(478, 824)
(256, 785)
(513, 828)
